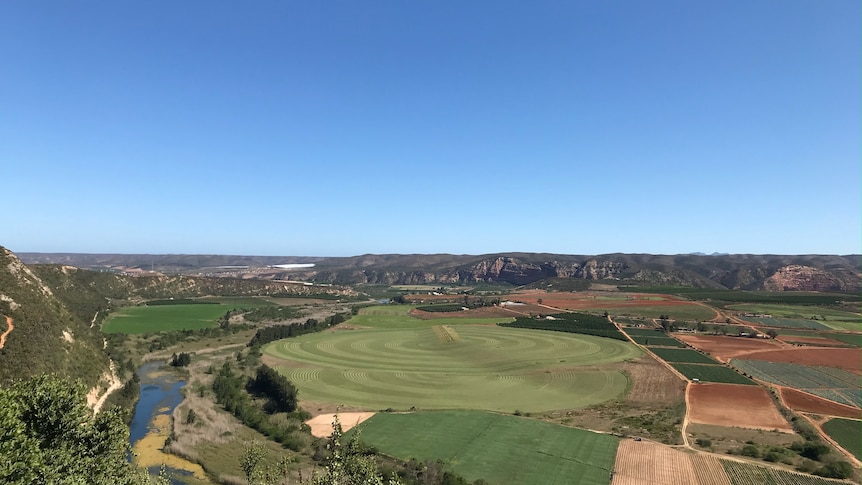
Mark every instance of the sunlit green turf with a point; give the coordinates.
(495, 447)
(163, 318)
(403, 364)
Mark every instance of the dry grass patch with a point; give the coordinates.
(653, 382)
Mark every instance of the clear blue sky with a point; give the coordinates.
(342, 127)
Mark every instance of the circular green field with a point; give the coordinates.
(459, 366)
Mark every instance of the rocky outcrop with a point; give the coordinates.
(805, 278)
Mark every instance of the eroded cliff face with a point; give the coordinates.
(806, 278)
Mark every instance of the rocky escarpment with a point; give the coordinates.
(734, 271)
(805, 278)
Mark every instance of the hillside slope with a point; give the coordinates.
(47, 337)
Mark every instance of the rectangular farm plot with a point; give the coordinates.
(495, 447)
(748, 474)
(642, 462)
(799, 376)
(848, 434)
(658, 341)
(733, 405)
(682, 355)
(644, 332)
(712, 373)
(787, 323)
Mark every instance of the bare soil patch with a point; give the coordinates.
(653, 382)
(808, 403)
(735, 405)
(645, 462)
(5, 334)
(321, 426)
(725, 348)
(847, 359)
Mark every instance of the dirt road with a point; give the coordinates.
(7, 332)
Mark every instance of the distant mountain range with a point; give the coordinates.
(732, 271)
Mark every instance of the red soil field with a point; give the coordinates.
(725, 348)
(808, 403)
(587, 301)
(847, 359)
(814, 341)
(734, 405)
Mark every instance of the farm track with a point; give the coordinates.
(685, 419)
(850, 457)
(5, 334)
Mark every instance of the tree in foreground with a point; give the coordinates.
(346, 465)
(49, 435)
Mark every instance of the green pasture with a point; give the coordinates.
(674, 312)
(853, 339)
(495, 447)
(712, 373)
(461, 367)
(798, 311)
(848, 434)
(682, 355)
(396, 316)
(788, 322)
(644, 332)
(658, 341)
(166, 318)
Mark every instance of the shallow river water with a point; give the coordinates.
(151, 423)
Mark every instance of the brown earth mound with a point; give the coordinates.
(725, 348)
(735, 405)
(847, 359)
(809, 403)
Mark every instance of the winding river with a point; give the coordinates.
(161, 393)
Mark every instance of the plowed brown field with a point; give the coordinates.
(847, 359)
(653, 382)
(735, 405)
(808, 403)
(645, 462)
(586, 301)
(725, 348)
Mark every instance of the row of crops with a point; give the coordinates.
(788, 323)
(581, 323)
(746, 474)
(652, 337)
(797, 375)
(658, 341)
(682, 355)
(711, 373)
(850, 397)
